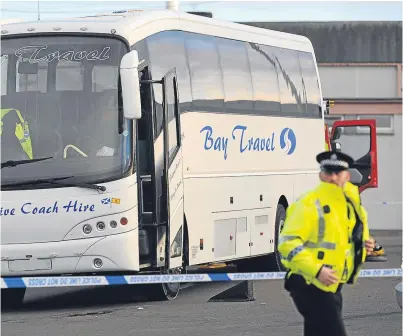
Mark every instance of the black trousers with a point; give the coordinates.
(322, 311)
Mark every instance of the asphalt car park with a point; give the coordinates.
(370, 308)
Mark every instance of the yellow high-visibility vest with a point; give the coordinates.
(21, 131)
(318, 232)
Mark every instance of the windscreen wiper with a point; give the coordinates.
(12, 163)
(56, 180)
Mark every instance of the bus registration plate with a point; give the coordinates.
(29, 265)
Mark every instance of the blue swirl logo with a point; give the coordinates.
(288, 140)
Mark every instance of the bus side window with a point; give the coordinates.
(293, 98)
(309, 76)
(236, 74)
(170, 44)
(266, 89)
(205, 73)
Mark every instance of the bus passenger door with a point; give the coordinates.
(147, 172)
(357, 138)
(172, 175)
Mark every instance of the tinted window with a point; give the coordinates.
(167, 51)
(173, 141)
(310, 80)
(205, 73)
(69, 76)
(236, 74)
(265, 82)
(101, 75)
(293, 99)
(66, 111)
(4, 66)
(35, 82)
(141, 48)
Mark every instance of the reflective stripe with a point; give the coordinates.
(321, 232)
(294, 252)
(300, 248)
(310, 244)
(283, 239)
(324, 245)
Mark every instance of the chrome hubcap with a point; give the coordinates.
(171, 289)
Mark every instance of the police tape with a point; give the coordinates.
(74, 281)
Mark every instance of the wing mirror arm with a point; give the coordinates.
(336, 146)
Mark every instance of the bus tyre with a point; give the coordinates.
(170, 291)
(164, 291)
(12, 297)
(280, 219)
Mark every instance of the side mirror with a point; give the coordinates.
(129, 77)
(337, 133)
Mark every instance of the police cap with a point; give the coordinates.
(334, 161)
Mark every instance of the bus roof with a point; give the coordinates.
(8, 21)
(134, 25)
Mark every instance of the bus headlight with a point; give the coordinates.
(104, 225)
(101, 226)
(87, 229)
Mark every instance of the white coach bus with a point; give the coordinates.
(153, 141)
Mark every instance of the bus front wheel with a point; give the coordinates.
(164, 291)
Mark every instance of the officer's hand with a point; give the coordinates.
(327, 277)
(370, 245)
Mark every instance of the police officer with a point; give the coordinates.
(323, 244)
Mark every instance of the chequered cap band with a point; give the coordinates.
(335, 163)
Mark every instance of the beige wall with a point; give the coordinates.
(361, 80)
(366, 108)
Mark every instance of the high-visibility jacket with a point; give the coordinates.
(318, 231)
(21, 131)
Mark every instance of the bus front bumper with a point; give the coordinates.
(118, 252)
